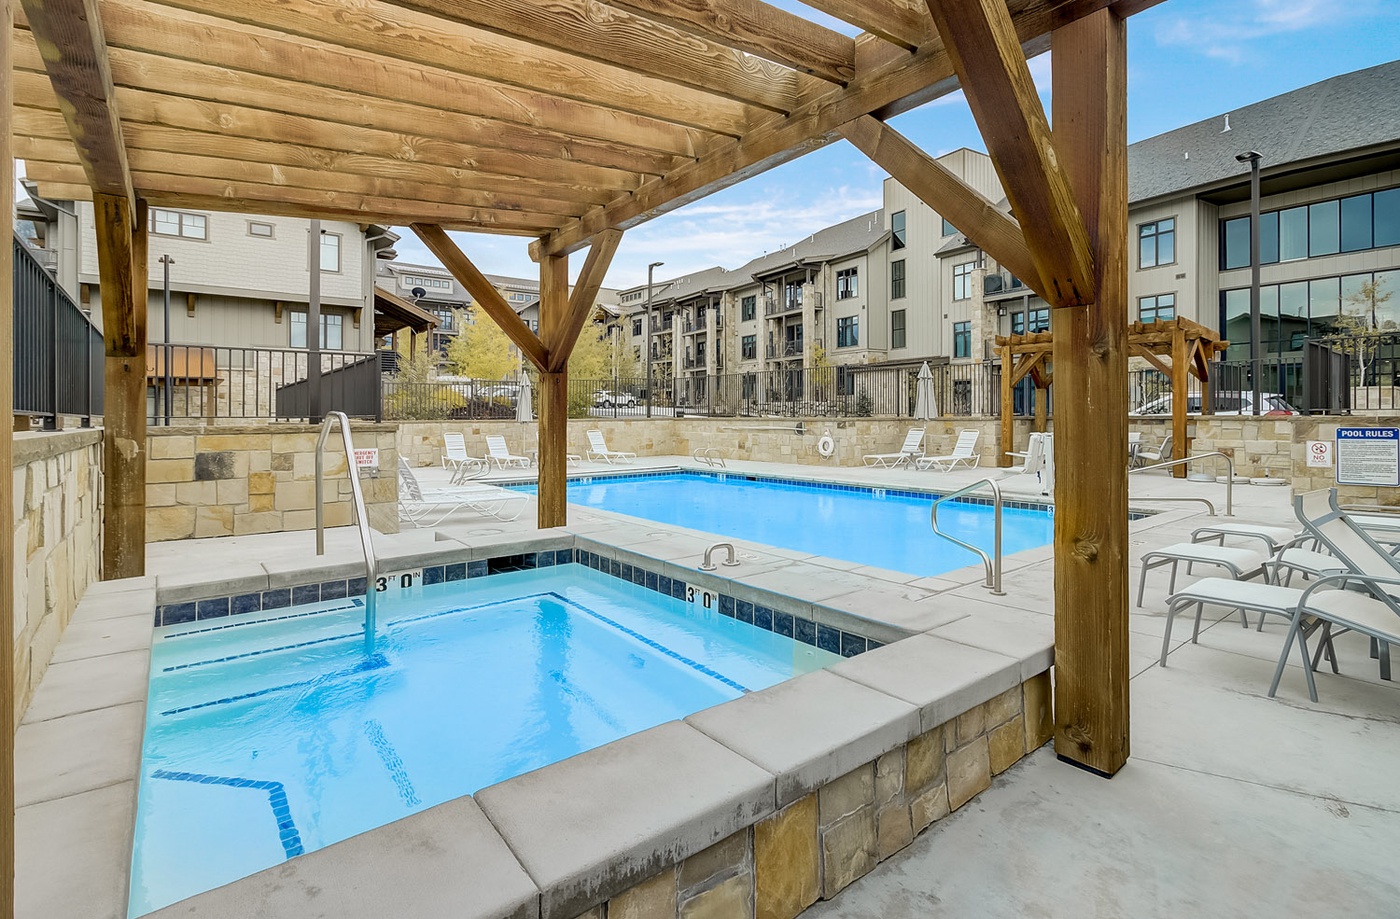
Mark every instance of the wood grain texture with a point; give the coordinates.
(554, 397)
(1181, 368)
(561, 340)
(8, 701)
(124, 389)
(980, 38)
(412, 37)
(70, 39)
(758, 28)
(1008, 421)
(904, 23)
(1091, 405)
(975, 215)
(483, 292)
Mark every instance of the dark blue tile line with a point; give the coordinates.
(469, 609)
(233, 625)
(367, 664)
(657, 646)
(262, 651)
(390, 758)
(276, 798)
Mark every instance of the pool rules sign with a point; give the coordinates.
(1368, 456)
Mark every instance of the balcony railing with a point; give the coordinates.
(785, 305)
(784, 349)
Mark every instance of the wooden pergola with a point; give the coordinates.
(1178, 348)
(569, 122)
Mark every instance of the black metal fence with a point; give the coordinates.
(1373, 369)
(187, 383)
(450, 399)
(58, 352)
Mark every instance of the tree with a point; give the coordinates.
(482, 351)
(1360, 321)
(601, 356)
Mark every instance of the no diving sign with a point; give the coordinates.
(1368, 456)
(1320, 454)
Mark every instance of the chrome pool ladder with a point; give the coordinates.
(992, 563)
(361, 518)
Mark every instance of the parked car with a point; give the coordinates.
(608, 399)
(1223, 403)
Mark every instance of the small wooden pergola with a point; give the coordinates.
(569, 122)
(1178, 348)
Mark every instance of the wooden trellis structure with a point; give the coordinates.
(1178, 348)
(570, 121)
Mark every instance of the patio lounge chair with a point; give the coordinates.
(455, 457)
(1241, 563)
(500, 454)
(598, 450)
(1160, 454)
(1272, 537)
(913, 449)
(417, 504)
(1243, 596)
(962, 453)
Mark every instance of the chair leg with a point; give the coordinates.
(1384, 655)
(1196, 629)
(1171, 587)
(1167, 638)
(1142, 581)
(1307, 670)
(1283, 655)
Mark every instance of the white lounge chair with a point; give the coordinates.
(417, 504)
(1241, 563)
(598, 450)
(1159, 454)
(1243, 596)
(500, 454)
(913, 449)
(1272, 537)
(456, 458)
(962, 453)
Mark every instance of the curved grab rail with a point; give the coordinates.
(710, 456)
(992, 563)
(1229, 480)
(361, 518)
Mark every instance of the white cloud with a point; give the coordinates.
(1225, 31)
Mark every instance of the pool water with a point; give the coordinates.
(269, 739)
(874, 527)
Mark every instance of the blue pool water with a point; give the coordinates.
(884, 529)
(270, 739)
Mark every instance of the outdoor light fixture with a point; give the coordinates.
(650, 268)
(1252, 157)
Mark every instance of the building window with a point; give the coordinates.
(260, 229)
(748, 347)
(332, 330)
(897, 338)
(179, 223)
(962, 339)
(1038, 320)
(792, 295)
(330, 251)
(948, 228)
(962, 280)
(748, 308)
(1161, 307)
(897, 279)
(636, 327)
(847, 284)
(1157, 243)
(1352, 224)
(847, 332)
(897, 236)
(845, 381)
(1018, 323)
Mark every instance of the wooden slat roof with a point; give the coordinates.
(553, 119)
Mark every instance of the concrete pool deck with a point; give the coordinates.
(1233, 804)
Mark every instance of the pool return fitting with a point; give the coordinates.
(709, 565)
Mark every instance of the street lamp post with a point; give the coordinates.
(1252, 157)
(166, 261)
(650, 268)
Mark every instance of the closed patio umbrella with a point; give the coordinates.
(524, 411)
(925, 408)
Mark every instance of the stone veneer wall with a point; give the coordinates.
(765, 440)
(820, 844)
(238, 480)
(58, 542)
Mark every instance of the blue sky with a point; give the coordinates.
(1188, 60)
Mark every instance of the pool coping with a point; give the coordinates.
(76, 792)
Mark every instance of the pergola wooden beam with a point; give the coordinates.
(483, 293)
(980, 38)
(70, 39)
(975, 215)
(901, 22)
(552, 491)
(560, 343)
(761, 29)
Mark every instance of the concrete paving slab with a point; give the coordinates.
(1027, 637)
(195, 582)
(115, 605)
(120, 585)
(941, 678)
(597, 823)
(446, 861)
(93, 638)
(293, 571)
(77, 753)
(1156, 842)
(810, 730)
(73, 855)
(88, 685)
(907, 609)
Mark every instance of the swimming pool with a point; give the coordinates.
(885, 528)
(270, 735)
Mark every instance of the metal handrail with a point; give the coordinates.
(361, 518)
(991, 563)
(1229, 480)
(710, 456)
(1210, 508)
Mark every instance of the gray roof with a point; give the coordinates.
(1347, 112)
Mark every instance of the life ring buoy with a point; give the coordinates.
(825, 445)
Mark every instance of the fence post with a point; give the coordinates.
(56, 421)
